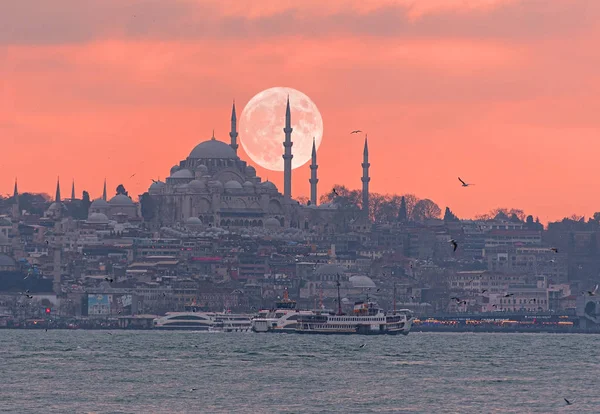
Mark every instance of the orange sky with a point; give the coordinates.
(504, 93)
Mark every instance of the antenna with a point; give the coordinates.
(394, 297)
(339, 297)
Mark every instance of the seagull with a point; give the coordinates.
(483, 291)
(453, 243)
(508, 295)
(356, 131)
(554, 249)
(110, 333)
(362, 346)
(593, 292)
(463, 183)
(153, 180)
(567, 401)
(334, 192)
(193, 389)
(456, 299)
(132, 175)
(110, 280)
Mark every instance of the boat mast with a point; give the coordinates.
(394, 297)
(339, 296)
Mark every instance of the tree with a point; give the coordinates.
(147, 206)
(121, 190)
(402, 213)
(303, 200)
(425, 210)
(449, 215)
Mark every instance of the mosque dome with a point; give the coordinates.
(361, 282)
(268, 185)
(174, 169)
(196, 185)
(330, 269)
(183, 173)
(6, 261)
(99, 203)
(250, 171)
(156, 187)
(120, 200)
(55, 206)
(233, 185)
(202, 170)
(248, 185)
(212, 149)
(272, 223)
(97, 218)
(194, 221)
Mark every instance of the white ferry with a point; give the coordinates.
(190, 321)
(367, 319)
(232, 322)
(204, 321)
(283, 318)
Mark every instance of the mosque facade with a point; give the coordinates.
(214, 187)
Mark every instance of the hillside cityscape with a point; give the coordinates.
(215, 237)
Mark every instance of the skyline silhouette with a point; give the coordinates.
(500, 93)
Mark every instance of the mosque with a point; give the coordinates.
(214, 187)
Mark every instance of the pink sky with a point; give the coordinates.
(503, 93)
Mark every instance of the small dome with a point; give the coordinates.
(213, 149)
(181, 187)
(6, 260)
(156, 187)
(184, 173)
(121, 200)
(330, 269)
(233, 185)
(97, 218)
(174, 169)
(55, 207)
(272, 223)
(268, 185)
(197, 185)
(215, 183)
(202, 170)
(193, 220)
(248, 185)
(250, 171)
(99, 203)
(361, 282)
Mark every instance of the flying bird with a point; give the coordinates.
(356, 131)
(593, 292)
(132, 175)
(508, 295)
(362, 346)
(554, 249)
(110, 280)
(567, 401)
(454, 244)
(463, 183)
(334, 192)
(483, 291)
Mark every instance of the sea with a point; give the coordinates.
(78, 371)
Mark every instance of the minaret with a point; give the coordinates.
(313, 175)
(57, 196)
(233, 134)
(73, 190)
(365, 179)
(287, 154)
(16, 212)
(104, 191)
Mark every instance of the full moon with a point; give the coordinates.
(262, 123)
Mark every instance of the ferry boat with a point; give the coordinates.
(204, 321)
(283, 318)
(367, 319)
(190, 321)
(232, 322)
